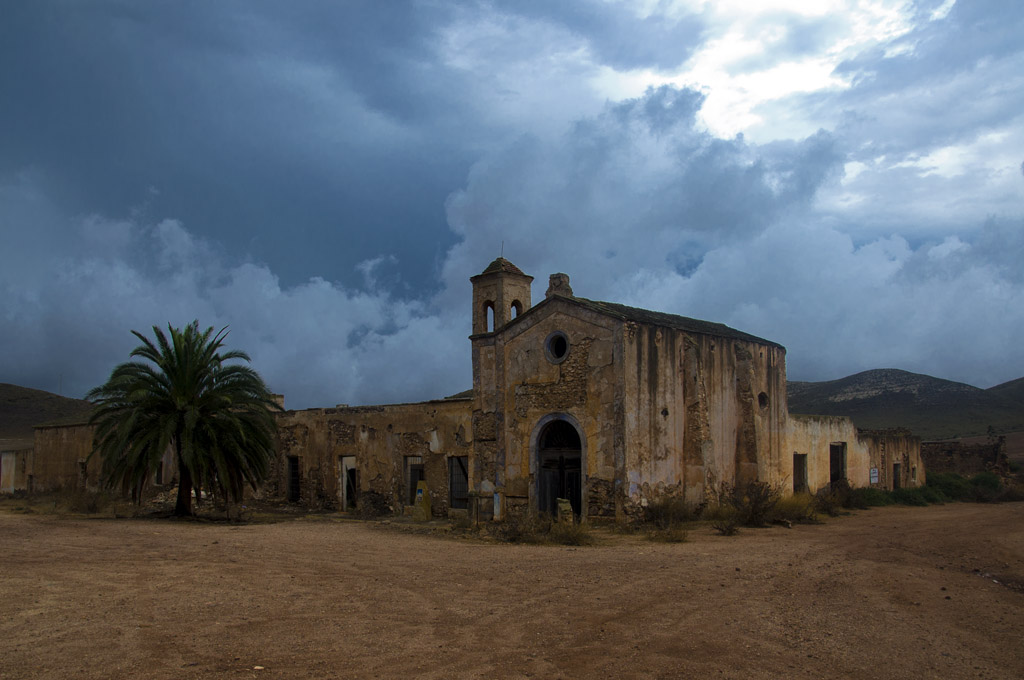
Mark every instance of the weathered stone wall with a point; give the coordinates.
(888, 448)
(380, 438)
(967, 459)
(865, 450)
(581, 388)
(701, 410)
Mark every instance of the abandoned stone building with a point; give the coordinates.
(602, 404)
(606, 405)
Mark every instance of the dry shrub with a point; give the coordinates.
(725, 519)
(752, 502)
(527, 528)
(569, 533)
(676, 533)
(796, 508)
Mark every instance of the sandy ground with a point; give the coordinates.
(886, 593)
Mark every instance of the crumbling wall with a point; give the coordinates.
(967, 459)
(813, 436)
(888, 449)
(380, 438)
(16, 469)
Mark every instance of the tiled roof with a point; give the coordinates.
(502, 265)
(682, 323)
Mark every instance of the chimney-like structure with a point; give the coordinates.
(558, 284)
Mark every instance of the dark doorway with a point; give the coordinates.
(837, 462)
(559, 466)
(414, 474)
(458, 482)
(896, 469)
(799, 473)
(294, 485)
(348, 482)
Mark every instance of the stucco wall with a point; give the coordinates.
(865, 450)
(59, 455)
(15, 468)
(702, 410)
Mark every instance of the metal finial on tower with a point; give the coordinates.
(502, 249)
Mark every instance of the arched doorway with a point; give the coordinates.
(559, 469)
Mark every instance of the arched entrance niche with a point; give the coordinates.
(558, 459)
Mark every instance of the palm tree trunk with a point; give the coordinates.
(183, 507)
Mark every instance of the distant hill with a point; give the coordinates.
(22, 407)
(930, 407)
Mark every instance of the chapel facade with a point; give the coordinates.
(609, 406)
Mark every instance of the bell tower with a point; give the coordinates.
(500, 293)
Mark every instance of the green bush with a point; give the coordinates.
(870, 497)
(950, 485)
(909, 496)
(987, 480)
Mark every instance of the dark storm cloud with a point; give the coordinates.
(639, 186)
(282, 121)
(324, 177)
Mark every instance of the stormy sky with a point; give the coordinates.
(845, 178)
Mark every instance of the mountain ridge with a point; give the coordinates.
(933, 408)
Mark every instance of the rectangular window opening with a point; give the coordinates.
(294, 482)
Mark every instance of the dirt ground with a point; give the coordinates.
(892, 592)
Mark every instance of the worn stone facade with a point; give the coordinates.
(609, 406)
(967, 459)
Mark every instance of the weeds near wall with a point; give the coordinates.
(539, 529)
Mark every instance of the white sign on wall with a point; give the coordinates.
(874, 475)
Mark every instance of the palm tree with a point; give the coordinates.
(218, 418)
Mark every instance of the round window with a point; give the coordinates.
(556, 347)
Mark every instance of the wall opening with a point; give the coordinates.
(896, 469)
(516, 310)
(294, 482)
(556, 347)
(458, 482)
(559, 467)
(489, 313)
(837, 463)
(414, 474)
(348, 482)
(799, 473)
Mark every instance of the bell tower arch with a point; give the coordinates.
(500, 293)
